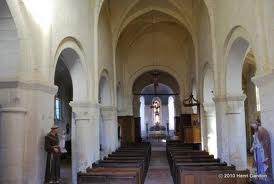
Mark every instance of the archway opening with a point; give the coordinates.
(241, 98)
(251, 103)
(63, 115)
(72, 87)
(9, 44)
(209, 132)
(105, 102)
(157, 92)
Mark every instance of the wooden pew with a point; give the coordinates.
(128, 164)
(121, 165)
(113, 177)
(211, 176)
(198, 167)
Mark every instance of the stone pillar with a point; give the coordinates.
(177, 105)
(12, 122)
(110, 129)
(26, 115)
(136, 106)
(231, 133)
(85, 136)
(209, 125)
(266, 87)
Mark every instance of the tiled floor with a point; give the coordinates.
(158, 172)
(65, 172)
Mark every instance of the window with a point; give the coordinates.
(258, 100)
(156, 111)
(57, 108)
(171, 112)
(142, 113)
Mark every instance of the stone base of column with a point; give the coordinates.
(85, 136)
(26, 117)
(211, 134)
(12, 122)
(231, 134)
(110, 133)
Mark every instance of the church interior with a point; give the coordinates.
(141, 91)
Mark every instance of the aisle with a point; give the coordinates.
(158, 172)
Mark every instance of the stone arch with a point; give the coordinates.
(125, 21)
(10, 43)
(207, 88)
(164, 69)
(70, 52)
(74, 58)
(105, 89)
(237, 45)
(146, 69)
(209, 131)
(176, 16)
(108, 135)
(18, 12)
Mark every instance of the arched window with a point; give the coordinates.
(142, 113)
(156, 109)
(171, 112)
(258, 103)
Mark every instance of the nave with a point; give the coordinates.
(164, 163)
(110, 73)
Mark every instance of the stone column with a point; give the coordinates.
(110, 129)
(26, 115)
(209, 125)
(85, 136)
(136, 106)
(177, 105)
(266, 87)
(231, 133)
(12, 122)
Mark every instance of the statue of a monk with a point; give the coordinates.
(261, 149)
(53, 156)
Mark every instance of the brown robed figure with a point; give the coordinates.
(53, 156)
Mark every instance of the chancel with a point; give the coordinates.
(142, 91)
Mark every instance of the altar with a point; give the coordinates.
(157, 132)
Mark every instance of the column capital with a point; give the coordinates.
(234, 104)
(45, 87)
(13, 110)
(263, 80)
(108, 112)
(240, 97)
(84, 110)
(209, 107)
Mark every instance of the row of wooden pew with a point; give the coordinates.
(189, 165)
(127, 165)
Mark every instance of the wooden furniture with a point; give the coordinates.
(127, 165)
(190, 129)
(193, 166)
(137, 129)
(127, 128)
